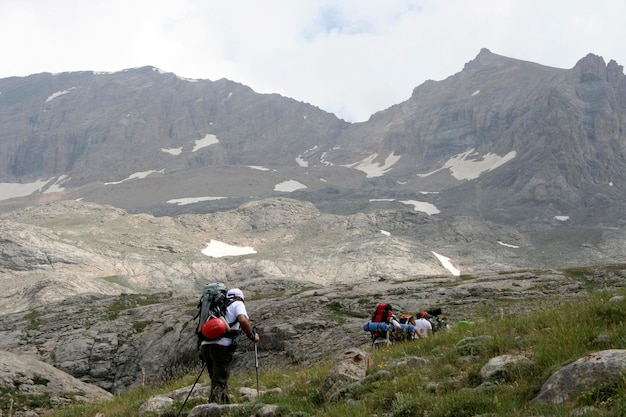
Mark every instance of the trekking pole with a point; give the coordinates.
(256, 365)
(191, 390)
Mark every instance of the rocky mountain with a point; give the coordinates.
(502, 140)
(122, 194)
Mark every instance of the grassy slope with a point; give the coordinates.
(448, 385)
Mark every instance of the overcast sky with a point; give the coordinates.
(348, 57)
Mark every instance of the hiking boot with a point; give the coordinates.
(219, 395)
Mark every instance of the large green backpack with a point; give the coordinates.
(211, 310)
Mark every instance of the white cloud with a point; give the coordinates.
(352, 58)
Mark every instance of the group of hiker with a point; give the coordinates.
(223, 318)
(385, 325)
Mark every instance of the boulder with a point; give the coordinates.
(29, 376)
(593, 371)
(504, 368)
(350, 366)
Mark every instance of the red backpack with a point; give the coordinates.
(382, 314)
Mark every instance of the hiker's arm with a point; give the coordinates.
(247, 327)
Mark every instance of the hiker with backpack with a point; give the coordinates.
(227, 321)
(383, 325)
(423, 327)
(407, 321)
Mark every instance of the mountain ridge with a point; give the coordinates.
(145, 121)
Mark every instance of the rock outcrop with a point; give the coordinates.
(25, 375)
(597, 370)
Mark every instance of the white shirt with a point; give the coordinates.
(422, 326)
(232, 312)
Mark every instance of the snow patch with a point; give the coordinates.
(469, 165)
(191, 200)
(58, 94)
(372, 169)
(11, 190)
(56, 187)
(259, 168)
(217, 249)
(172, 151)
(427, 208)
(301, 162)
(208, 140)
(136, 175)
(289, 186)
(445, 262)
(508, 245)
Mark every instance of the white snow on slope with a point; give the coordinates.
(372, 169)
(217, 249)
(469, 165)
(172, 151)
(423, 206)
(136, 175)
(301, 162)
(12, 190)
(56, 187)
(191, 200)
(57, 94)
(208, 140)
(289, 186)
(445, 262)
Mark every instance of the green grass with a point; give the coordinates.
(33, 316)
(127, 301)
(449, 384)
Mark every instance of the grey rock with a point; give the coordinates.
(30, 376)
(505, 368)
(595, 370)
(155, 405)
(351, 366)
(211, 410)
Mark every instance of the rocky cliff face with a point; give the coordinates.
(96, 127)
(503, 140)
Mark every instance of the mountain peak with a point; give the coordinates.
(591, 68)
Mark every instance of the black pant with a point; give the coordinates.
(218, 359)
